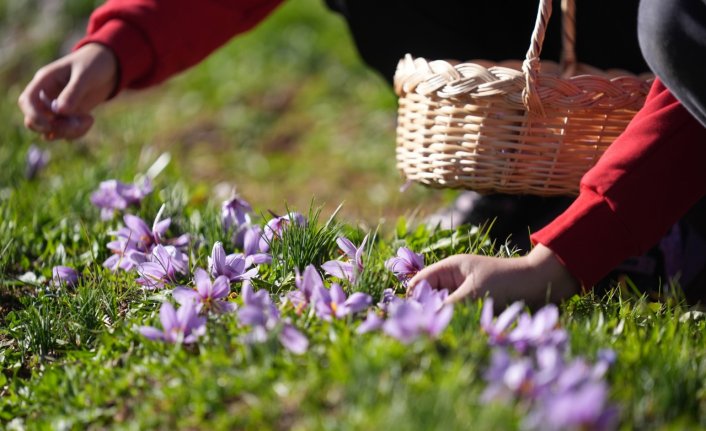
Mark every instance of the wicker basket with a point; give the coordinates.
(509, 127)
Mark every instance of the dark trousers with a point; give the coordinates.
(672, 36)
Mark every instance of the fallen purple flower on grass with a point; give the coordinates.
(180, 326)
(64, 275)
(333, 303)
(114, 195)
(406, 264)
(35, 161)
(209, 296)
(347, 270)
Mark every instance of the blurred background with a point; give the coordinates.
(286, 113)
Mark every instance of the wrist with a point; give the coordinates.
(551, 278)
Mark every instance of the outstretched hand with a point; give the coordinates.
(58, 101)
(534, 278)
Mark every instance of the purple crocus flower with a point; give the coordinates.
(211, 296)
(388, 298)
(251, 247)
(114, 195)
(258, 309)
(135, 241)
(333, 303)
(235, 213)
(64, 275)
(353, 267)
(274, 228)
(164, 264)
(180, 326)
(585, 407)
(372, 322)
(233, 266)
(35, 161)
(293, 340)
(540, 329)
(498, 329)
(262, 316)
(406, 264)
(409, 319)
(307, 284)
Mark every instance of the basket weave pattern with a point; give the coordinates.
(508, 129)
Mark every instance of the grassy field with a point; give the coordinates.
(289, 116)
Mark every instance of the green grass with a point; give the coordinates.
(284, 113)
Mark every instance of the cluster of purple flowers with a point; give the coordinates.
(114, 195)
(406, 319)
(137, 246)
(528, 364)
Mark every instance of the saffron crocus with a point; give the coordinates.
(274, 228)
(164, 264)
(406, 264)
(114, 195)
(388, 299)
(585, 407)
(498, 329)
(538, 330)
(307, 284)
(64, 275)
(35, 161)
(209, 296)
(333, 303)
(232, 266)
(135, 241)
(353, 267)
(372, 322)
(258, 311)
(409, 319)
(235, 213)
(293, 340)
(178, 326)
(251, 247)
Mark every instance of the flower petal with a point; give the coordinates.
(293, 340)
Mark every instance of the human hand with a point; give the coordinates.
(58, 101)
(533, 278)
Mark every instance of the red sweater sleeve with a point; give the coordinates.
(645, 181)
(154, 39)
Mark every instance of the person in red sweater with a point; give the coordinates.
(643, 184)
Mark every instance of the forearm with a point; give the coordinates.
(648, 178)
(155, 39)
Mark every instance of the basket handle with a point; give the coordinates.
(530, 67)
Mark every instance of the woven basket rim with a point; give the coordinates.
(588, 88)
